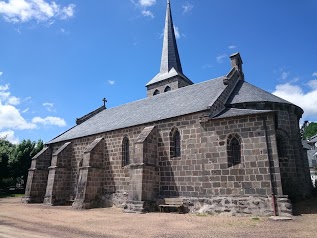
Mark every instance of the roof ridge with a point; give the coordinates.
(172, 91)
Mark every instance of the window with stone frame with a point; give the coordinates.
(234, 150)
(167, 89)
(175, 143)
(156, 92)
(125, 151)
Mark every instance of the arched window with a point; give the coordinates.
(175, 143)
(234, 150)
(280, 147)
(156, 92)
(167, 89)
(125, 152)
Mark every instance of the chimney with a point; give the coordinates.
(236, 62)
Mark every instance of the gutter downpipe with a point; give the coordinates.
(271, 166)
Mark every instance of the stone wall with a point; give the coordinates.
(239, 205)
(37, 177)
(293, 165)
(174, 83)
(202, 170)
(59, 177)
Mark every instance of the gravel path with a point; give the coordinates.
(36, 220)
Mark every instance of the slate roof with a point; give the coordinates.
(246, 92)
(182, 101)
(234, 112)
(175, 103)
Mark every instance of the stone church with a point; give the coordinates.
(223, 145)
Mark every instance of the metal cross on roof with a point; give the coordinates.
(104, 102)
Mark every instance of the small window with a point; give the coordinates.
(175, 147)
(125, 152)
(234, 150)
(167, 89)
(156, 92)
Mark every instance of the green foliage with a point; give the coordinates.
(310, 130)
(6, 149)
(15, 160)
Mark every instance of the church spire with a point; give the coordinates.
(171, 75)
(170, 57)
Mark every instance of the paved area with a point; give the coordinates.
(36, 220)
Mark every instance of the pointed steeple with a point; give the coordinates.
(171, 75)
(170, 57)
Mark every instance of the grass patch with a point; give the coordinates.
(7, 195)
(202, 214)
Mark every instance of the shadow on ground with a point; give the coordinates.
(308, 206)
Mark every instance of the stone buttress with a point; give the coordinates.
(58, 183)
(144, 173)
(37, 177)
(91, 176)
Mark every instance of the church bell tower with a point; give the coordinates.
(171, 75)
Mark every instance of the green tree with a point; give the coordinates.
(21, 157)
(6, 149)
(310, 130)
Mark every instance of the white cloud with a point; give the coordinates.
(54, 121)
(220, 58)
(284, 75)
(314, 74)
(5, 96)
(313, 85)
(9, 135)
(147, 3)
(147, 13)
(295, 94)
(19, 11)
(49, 106)
(1, 73)
(232, 47)
(177, 34)
(187, 7)
(14, 100)
(25, 110)
(143, 5)
(111, 82)
(10, 118)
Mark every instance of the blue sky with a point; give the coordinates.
(59, 59)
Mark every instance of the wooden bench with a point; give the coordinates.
(172, 203)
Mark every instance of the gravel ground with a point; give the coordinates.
(36, 220)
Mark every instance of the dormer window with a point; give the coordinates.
(167, 89)
(156, 92)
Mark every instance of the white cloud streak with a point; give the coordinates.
(147, 3)
(147, 13)
(1, 73)
(177, 33)
(295, 94)
(53, 121)
(20, 11)
(187, 8)
(232, 47)
(314, 74)
(220, 58)
(49, 106)
(284, 75)
(111, 82)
